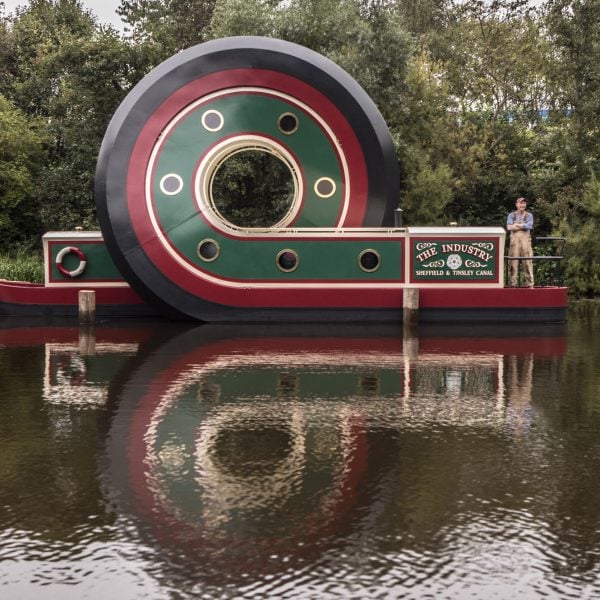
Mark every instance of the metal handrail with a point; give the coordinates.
(554, 276)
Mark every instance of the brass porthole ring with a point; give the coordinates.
(369, 260)
(288, 123)
(287, 260)
(208, 250)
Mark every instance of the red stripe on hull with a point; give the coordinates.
(34, 336)
(368, 298)
(546, 297)
(15, 292)
(554, 345)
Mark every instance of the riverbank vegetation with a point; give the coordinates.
(22, 266)
(486, 101)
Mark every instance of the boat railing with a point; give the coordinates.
(547, 267)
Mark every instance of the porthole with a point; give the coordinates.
(287, 261)
(325, 187)
(369, 260)
(171, 184)
(288, 123)
(209, 391)
(212, 120)
(208, 250)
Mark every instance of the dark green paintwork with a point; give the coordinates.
(247, 114)
(255, 259)
(335, 259)
(99, 264)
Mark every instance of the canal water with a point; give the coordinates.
(167, 461)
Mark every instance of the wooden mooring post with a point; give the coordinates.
(87, 307)
(410, 305)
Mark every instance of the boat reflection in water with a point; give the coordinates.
(242, 455)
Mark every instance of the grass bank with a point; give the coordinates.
(22, 267)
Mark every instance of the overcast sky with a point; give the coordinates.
(105, 10)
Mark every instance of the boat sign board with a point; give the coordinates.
(464, 256)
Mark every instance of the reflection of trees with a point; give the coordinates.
(539, 491)
(574, 516)
(569, 391)
(48, 468)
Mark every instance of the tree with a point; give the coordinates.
(21, 150)
(583, 259)
(68, 74)
(168, 26)
(574, 30)
(423, 129)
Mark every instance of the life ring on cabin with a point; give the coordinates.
(78, 253)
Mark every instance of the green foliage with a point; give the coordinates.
(167, 26)
(22, 266)
(66, 76)
(253, 189)
(574, 31)
(581, 230)
(21, 145)
(421, 128)
(327, 26)
(243, 17)
(378, 54)
(495, 59)
(429, 193)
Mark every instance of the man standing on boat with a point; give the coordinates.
(520, 224)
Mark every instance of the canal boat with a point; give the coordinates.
(170, 243)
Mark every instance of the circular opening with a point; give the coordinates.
(287, 383)
(369, 260)
(208, 250)
(171, 184)
(287, 260)
(253, 188)
(288, 123)
(325, 187)
(212, 120)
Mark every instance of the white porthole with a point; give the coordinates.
(208, 250)
(369, 260)
(212, 120)
(171, 184)
(325, 187)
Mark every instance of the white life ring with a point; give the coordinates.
(80, 255)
